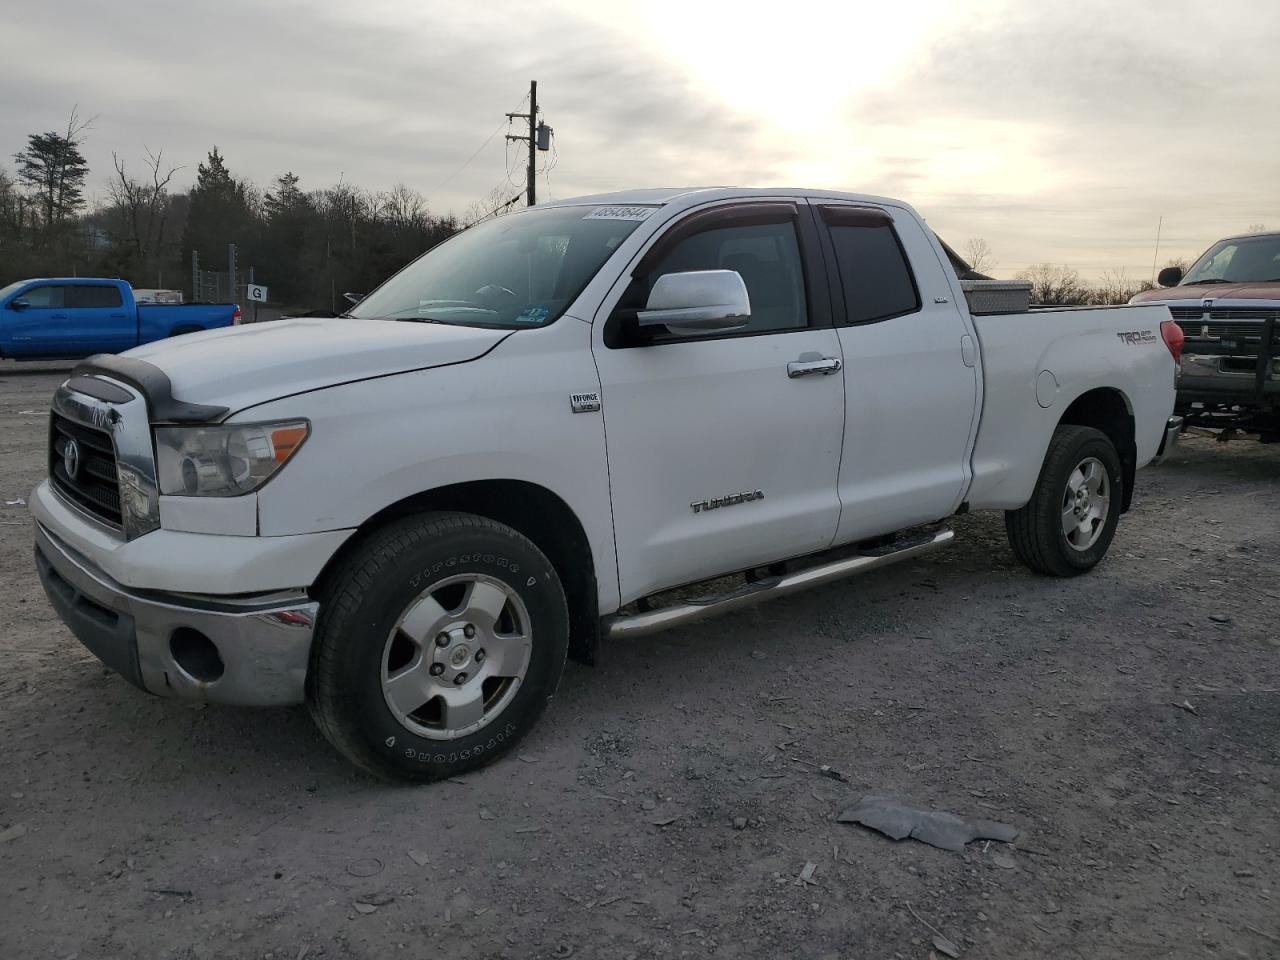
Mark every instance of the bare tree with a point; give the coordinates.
(16, 213)
(402, 206)
(1055, 285)
(1257, 227)
(141, 205)
(1115, 287)
(978, 252)
(497, 201)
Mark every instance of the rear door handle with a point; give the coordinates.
(58, 316)
(805, 368)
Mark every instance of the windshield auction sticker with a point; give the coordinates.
(619, 213)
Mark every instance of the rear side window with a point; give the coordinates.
(99, 296)
(45, 297)
(874, 272)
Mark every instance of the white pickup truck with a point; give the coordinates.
(407, 517)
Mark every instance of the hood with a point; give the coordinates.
(1254, 290)
(238, 367)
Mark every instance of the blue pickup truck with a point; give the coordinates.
(72, 317)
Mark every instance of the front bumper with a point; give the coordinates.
(249, 652)
(1172, 430)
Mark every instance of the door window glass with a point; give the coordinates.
(48, 297)
(767, 256)
(874, 272)
(95, 296)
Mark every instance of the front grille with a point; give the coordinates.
(1246, 313)
(95, 487)
(1193, 318)
(1202, 329)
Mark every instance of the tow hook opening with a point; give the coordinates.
(196, 654)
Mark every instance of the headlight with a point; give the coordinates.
(226, 460)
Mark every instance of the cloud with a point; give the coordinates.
(376, 98)
(1058, 132)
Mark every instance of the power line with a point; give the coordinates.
(500, 207)
(547, 167)
(489, 139)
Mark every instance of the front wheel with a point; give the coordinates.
(1070, 520)
(440, 642)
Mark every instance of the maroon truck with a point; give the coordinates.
(1228, 305)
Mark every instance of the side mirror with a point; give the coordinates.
(19, 304)
(699, 301)
(353, 298)
(1169, 276)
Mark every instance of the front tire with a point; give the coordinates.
(441, 640)
(1070, 520)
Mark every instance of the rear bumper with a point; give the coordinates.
(250, 652)
(1172, 429)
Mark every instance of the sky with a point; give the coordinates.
(1061, 132)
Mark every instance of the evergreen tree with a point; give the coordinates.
(219, 213)
(54, 170)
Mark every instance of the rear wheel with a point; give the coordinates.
(440, 642)
(1070, 520)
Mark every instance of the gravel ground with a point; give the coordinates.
(1128, 722)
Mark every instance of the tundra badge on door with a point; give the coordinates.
(715, 503)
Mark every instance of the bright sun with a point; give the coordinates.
(794, 63)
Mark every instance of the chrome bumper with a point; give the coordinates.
(250, 652)
(1172, 429)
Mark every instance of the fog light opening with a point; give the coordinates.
(196, 654)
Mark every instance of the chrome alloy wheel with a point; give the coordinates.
(1086, 503)
(456, 656)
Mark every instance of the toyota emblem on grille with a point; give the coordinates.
(71, 459)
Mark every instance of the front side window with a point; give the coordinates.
(45, 298)
(95, 296)
(1245, 260)
(521, 270)
(874, 273)
(765, 255)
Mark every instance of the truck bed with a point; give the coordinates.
(1036, 364)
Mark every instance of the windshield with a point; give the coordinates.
(521, 270)
(1246, 260)
(11, 288)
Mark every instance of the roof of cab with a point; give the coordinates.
(662, 196)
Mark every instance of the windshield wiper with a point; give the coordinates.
(1196, 283)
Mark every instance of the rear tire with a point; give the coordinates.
(441, 640)
(1070, 520)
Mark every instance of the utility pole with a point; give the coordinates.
(539, 138)
(1156, 256)
(231, 270)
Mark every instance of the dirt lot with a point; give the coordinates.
(1128, 722)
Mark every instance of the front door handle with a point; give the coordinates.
(805, 368)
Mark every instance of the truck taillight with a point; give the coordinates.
(236, 318)
(1173, 338)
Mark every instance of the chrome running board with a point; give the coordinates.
(664, 618)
